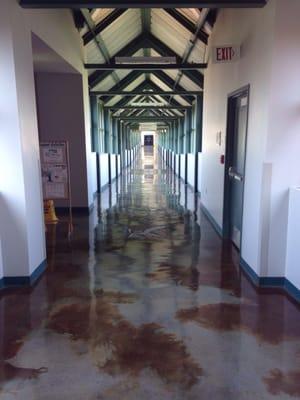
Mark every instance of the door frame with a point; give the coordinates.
(245, 90)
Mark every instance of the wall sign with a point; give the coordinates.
(226, 54)
(55, 171)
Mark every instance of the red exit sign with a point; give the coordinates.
(226, 54)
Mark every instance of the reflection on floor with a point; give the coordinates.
(146, 302)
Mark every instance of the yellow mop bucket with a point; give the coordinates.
(49, 212)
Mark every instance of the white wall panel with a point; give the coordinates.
(182, 166)
(104, 173)
(177, 161)
(254, 31)
(113, 165)
(119, 163)
(199, 171)
(191, 169)
(94, 172)
(293, 238)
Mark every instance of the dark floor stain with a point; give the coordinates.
(147, 346)
(129, 349)
(279, 382)
(253, 319)
(86, 320)
(71, 319)
(9, 372)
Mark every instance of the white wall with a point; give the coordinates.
(113, 166)
(191, 169)
(61, 117)
(56, 28)
(94, 172)
(270, 63)
(253, 29)
(22, 227)
(172, 159)
(182, 166)
(104, 172)
(177, 161)
(199, 176)
(283, 143)
(119, 163)
(293, 238)
(22, 224)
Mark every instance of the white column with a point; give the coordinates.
(21, 214)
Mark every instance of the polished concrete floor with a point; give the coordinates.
(146, 302)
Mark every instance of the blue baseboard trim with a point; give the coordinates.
(292, 290)
(251, 274)
(270, 282)
(38, 272)
(17, 281)
(211, 219)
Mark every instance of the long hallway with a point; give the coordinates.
(146, 302)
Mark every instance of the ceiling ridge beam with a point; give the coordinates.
(146, 67)
(75, 4)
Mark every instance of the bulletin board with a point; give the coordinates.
(55, 165)
(55, 170)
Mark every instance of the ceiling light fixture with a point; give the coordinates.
(145, 60)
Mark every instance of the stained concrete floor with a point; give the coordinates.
(146, 302)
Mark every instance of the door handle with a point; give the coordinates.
(234, 175)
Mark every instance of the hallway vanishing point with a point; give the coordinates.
(146, 302)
